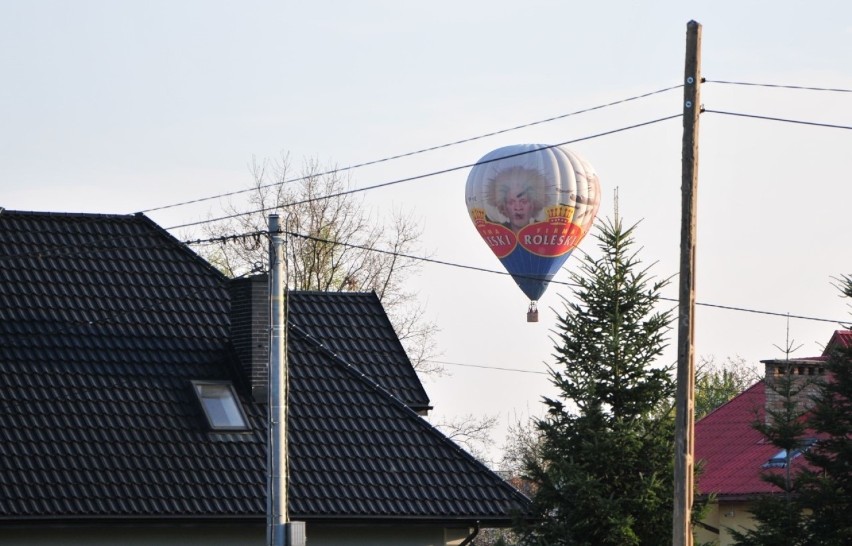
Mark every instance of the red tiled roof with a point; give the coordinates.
(843, 338)
(732, 451)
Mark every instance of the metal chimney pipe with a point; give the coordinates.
(276, 516)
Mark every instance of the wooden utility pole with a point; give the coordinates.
(685, 396)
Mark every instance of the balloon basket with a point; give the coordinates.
(532, 313)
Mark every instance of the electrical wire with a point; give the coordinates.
(258, 233)
(421, 151)
(441, 262)
(495, 133)
(399, 254)
(497, 272)
(771, 313)
(331, 196)
(242, 236)
(484, 367)
(780, 86)
(91, 249)
(227, 238)
(799, 122)
(366, 188)
(421, 176)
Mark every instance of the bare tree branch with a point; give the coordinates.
(471, 432)
(336, 253)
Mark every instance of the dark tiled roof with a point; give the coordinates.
(105, 319)
(362, 449)
(355, 325)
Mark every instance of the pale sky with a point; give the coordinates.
(117, 107)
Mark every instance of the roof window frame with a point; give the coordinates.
(230, 408)
(779, 460)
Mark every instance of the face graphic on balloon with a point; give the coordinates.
(518, 195)
(517, 206)
(532, 205)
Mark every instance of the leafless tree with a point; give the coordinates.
(471, 432)
(523, 442)
(334, 243)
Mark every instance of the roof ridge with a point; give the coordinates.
(180, 245)
(99, 215)
(398, 402)
(416, 396)
(350, 367)
(130, 219)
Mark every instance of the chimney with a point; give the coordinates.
(805, 375)
(250, 331)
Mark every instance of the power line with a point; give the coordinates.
(401, 255)
(421, 176)
(484, 367)
(494, 133)
(494, 271)
(800, 122)
(744, 310)
(91, 249)
(227, 238)
(396, 254)
(423, 150)
(111, 317)
(800, 87)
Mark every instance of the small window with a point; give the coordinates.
(221, 405)
(779, 460)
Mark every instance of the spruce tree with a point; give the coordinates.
(603, 475)
(816, 503)
(826, 487)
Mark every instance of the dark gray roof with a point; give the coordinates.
(355, 325)
(105, 319)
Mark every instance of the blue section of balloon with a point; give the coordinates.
(532, 273)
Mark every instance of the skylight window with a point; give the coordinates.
(220, 405)
(779, 460)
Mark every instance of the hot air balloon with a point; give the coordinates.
(532, 205)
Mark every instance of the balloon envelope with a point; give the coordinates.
(532, 204)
